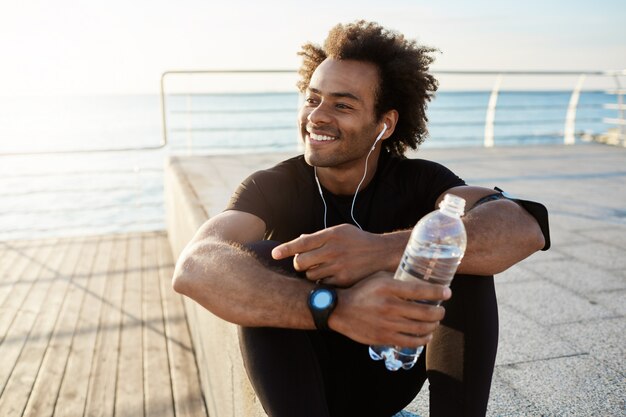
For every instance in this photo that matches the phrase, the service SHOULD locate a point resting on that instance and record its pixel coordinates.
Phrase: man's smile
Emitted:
(321, 138)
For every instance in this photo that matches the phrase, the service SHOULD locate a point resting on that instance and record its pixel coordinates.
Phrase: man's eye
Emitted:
(311, 100)
(342, 106)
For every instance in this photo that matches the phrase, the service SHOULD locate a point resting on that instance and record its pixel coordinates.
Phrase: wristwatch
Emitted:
(322, 302)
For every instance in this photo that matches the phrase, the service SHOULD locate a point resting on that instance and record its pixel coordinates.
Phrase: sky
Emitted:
(123, 47)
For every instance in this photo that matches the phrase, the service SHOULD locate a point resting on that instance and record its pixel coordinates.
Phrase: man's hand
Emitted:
(341, 255)
(379, 311)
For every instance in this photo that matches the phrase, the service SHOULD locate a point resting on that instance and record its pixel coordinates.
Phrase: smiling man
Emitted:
(342, 212)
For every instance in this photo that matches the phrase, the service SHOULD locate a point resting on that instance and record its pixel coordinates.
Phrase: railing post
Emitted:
(163, 110)
(488, 141)
(620, 105)
(570, 119)
(189, 126)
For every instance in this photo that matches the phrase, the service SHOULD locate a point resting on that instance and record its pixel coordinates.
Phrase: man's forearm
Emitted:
(242, 291)
(499, 234)
(394, 245)
(232, 284)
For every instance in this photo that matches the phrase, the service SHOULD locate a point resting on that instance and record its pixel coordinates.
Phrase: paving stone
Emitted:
(616, 235)
(572, 386)
(611, 300)
(562, 237)
(575, 221)
(420, 405)
(579, 276)
(516, 273)
(599, 254)
(505, 401)
(604, 340)
(522, 339)
(548, 303)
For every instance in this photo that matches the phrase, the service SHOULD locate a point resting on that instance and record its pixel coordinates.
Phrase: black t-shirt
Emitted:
(287, 199)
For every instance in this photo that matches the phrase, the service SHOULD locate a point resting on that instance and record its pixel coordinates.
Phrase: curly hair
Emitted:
(405, 84)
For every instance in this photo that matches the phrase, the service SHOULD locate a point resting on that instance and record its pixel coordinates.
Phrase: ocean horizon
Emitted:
(102, 192)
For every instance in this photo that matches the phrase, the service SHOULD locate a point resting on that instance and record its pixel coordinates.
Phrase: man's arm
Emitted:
(344, 254)
(219, 274)
(500, 233)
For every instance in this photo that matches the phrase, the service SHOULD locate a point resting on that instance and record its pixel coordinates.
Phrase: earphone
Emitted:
(358, 187)
(380, 135)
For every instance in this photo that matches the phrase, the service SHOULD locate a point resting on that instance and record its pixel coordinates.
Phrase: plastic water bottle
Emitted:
(434, 251)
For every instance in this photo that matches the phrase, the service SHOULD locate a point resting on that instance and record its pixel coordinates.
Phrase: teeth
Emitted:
(321, 137)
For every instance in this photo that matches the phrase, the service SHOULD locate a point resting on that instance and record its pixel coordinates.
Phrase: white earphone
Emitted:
(380, 135)
(319, 187)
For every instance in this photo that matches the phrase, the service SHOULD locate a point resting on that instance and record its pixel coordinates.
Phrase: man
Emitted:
(344, 212)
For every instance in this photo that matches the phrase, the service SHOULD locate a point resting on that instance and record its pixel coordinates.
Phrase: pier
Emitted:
(90, 325)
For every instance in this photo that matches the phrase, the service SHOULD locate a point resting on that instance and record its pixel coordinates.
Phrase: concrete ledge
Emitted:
(224, 382)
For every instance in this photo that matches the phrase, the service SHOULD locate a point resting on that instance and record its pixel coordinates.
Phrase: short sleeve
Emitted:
(269, 194)
(249, 197)
(436, 179)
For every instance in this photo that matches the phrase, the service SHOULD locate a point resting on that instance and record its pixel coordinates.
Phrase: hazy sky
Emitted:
(115, 46)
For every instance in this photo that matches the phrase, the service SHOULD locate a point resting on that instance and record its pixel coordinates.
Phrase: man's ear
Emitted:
(390, 119)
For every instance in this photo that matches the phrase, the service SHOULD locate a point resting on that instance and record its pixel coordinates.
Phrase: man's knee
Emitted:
(262, 249)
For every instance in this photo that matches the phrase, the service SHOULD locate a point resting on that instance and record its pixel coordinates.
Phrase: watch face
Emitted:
(321, 299)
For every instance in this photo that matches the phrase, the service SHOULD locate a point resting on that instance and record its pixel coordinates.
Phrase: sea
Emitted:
(105, 174)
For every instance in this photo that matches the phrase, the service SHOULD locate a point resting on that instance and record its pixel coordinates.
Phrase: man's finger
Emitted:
(421, 290)
(320, 272)
(291, 248)
(301, 244)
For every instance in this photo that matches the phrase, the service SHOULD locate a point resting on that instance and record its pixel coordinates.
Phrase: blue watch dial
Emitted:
(322, 299)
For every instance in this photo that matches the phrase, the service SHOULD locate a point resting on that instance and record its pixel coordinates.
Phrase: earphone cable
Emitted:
(358, 187)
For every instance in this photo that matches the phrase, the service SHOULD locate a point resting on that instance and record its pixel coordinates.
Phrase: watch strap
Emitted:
(321, 316)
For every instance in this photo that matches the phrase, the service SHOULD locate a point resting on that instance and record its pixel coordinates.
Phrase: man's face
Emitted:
(337, 122)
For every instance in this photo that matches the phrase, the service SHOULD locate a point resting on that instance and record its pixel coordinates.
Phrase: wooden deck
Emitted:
(90, 326)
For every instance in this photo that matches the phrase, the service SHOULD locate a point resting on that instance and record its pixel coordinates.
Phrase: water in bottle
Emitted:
(434, 251)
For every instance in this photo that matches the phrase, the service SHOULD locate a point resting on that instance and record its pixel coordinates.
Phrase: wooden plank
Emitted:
(46, 388)
(20, 384)
(73, 392)
(157, 385)
(188, 397)
(8, 256)
(4, 252)
(129, 396)
(101, 394)
(21, 271)
(27, 310)
(109, 336)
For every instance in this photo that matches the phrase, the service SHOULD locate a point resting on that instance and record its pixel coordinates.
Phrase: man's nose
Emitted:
(319, 115)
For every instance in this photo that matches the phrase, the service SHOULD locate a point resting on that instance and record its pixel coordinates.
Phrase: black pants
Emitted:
(325, 374)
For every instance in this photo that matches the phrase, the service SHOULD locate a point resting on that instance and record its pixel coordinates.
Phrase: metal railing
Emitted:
(73, 192)
(569, 133)
(169, 74)
(60, 195)
(161, 145)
